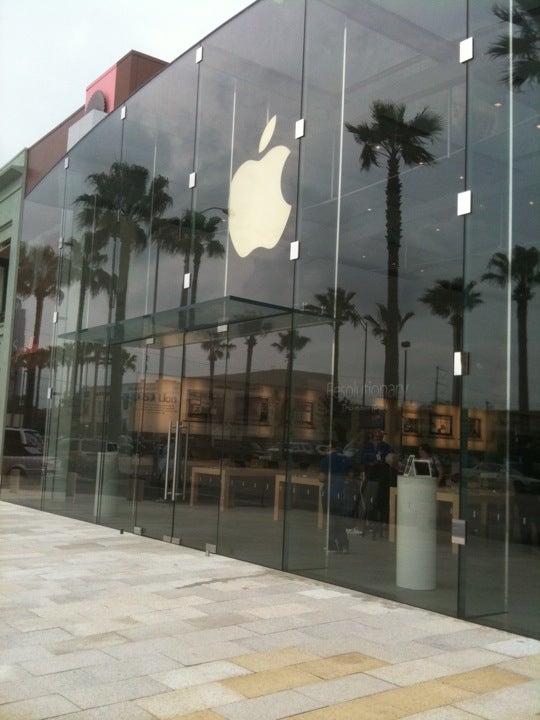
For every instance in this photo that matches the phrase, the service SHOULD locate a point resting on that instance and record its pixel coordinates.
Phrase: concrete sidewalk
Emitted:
(99, 625)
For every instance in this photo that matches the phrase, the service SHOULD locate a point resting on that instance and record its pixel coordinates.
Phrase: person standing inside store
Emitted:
(337, 493)
(376, 490)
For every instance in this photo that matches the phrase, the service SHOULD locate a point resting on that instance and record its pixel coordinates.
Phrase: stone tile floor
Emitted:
(98, 625)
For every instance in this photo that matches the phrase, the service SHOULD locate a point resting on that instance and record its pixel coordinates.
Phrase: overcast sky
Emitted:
(51, 50)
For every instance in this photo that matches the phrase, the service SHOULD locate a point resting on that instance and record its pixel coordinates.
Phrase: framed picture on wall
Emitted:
(440, 425)
(475, 428)
(410, 425)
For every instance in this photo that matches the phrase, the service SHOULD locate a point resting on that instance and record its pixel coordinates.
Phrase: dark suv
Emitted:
(23, 452)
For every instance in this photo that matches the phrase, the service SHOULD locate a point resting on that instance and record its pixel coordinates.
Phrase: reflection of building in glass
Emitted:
(274, 260)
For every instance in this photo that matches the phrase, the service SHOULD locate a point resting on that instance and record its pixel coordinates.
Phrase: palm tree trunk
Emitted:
(335, 379)
(523, 369)
(97, 360)
(393, 242)
(457, 340)
(31, 370)
(184, 295)
(115, 351)
(247, 381)
(195, 281)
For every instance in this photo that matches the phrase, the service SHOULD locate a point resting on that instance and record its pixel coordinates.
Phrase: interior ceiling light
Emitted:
(497, 104)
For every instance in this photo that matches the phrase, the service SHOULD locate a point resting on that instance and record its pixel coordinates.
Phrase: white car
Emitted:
(23, 453)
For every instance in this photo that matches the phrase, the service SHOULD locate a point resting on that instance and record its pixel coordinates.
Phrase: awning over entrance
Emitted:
(235, 315)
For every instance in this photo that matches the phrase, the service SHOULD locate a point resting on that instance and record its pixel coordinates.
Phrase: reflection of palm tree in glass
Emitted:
(126, 207)
(379, 327)
(395, 140)
(290, 344)
(338, 305)
(250, 342)
(98, 357)
(216, 349)
(449, 299)
(524, 47)
(37, 277)
(203, 242)
(523, 271)
(87, 262)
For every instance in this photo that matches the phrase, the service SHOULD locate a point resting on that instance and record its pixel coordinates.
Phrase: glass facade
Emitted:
(262, 257)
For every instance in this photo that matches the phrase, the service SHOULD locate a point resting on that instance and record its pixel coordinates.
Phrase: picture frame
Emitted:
(475, 428)
(410, 425)
(440, 425)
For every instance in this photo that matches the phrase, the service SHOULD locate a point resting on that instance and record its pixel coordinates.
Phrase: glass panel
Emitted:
(246, 158)
(136, 485)
(33, 332)
(201, 481)
(86, 279)
(157, 158)
(379, 179)
(500, 476)
(254, 462)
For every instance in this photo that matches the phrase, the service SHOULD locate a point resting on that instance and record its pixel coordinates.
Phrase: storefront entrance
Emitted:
(193, 434)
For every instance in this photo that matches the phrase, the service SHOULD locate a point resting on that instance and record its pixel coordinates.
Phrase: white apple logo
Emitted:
(258, 212)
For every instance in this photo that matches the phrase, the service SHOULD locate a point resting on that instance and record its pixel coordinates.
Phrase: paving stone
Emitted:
(118, 627)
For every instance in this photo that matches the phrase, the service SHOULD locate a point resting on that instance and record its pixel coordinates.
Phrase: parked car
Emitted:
(23, 452)
(80, 455)
(492, 476)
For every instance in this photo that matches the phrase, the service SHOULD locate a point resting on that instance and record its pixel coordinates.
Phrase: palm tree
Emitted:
(216, 348)
(379, 327)
(392, 139)
(196, 238)
(37, 277)
(250, 342)
(339, 307)
(290, 343)
(449, 299)
(125, 207)
(524, 46)
(203, 232)
(523, 271)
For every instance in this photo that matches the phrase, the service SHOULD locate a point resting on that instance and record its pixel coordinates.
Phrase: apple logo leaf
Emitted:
(267, 134)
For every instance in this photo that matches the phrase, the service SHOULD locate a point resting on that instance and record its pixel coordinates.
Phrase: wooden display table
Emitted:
(297, 479)
(225, 474)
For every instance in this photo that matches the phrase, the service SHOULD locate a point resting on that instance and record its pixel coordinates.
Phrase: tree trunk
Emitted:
(523, 370)
(195, 280)
(335, 379)
(31, 367)
(184, 295)
(393, 242)
(247, 381)
(115, 351)
(457, 339)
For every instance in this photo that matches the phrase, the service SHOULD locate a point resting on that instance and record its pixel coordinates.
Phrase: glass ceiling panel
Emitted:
(237, 315)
